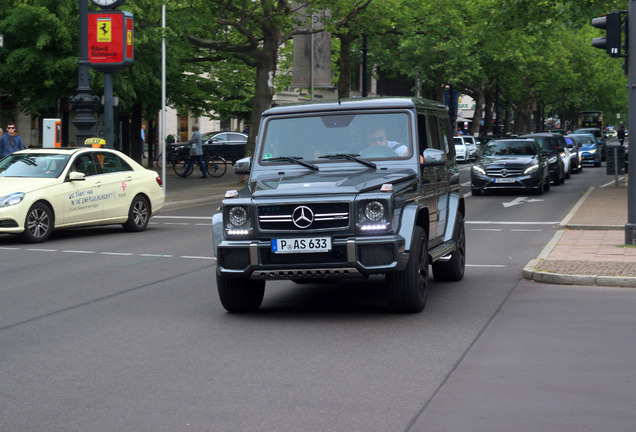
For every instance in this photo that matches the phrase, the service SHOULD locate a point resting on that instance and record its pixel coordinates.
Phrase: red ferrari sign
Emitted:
(110, 40)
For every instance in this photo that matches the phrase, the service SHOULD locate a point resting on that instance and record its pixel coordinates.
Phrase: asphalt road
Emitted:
(102, 330)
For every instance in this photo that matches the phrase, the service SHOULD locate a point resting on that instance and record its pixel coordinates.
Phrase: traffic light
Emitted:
(611, 42)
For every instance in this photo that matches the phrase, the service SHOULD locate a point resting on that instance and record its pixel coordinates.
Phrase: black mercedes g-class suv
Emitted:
(344, 190)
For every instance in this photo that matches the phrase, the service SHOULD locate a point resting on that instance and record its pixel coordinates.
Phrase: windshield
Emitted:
(311, 138)
(507, 148)
(588, 147)
(37, 165)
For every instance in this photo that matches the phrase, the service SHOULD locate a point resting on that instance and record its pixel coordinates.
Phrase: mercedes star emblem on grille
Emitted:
(504, 172)
(302, 217)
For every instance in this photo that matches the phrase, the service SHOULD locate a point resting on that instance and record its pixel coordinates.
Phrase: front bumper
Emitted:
(483, 182)
(356, 257)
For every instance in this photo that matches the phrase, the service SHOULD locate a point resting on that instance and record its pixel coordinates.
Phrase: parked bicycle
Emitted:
(215, 165)
(171, 157)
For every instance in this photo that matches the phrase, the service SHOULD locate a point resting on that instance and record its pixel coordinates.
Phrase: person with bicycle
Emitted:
(196, 152)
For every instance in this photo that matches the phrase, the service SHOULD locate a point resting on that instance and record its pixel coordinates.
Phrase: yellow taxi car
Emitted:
(46, 189)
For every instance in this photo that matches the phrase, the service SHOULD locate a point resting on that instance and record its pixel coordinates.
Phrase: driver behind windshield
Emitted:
(377, 137)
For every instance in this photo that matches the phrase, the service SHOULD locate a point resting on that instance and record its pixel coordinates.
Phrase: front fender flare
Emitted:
(217, 231)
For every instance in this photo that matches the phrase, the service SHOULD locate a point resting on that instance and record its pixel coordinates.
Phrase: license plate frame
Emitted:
(301, 245)
(505, 180)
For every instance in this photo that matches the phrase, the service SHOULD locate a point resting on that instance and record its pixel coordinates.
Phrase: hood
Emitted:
(502, 161)
(327, 183)
(9, 185)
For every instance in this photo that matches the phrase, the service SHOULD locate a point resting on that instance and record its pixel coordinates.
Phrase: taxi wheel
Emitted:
(138, 215)
(38, 225)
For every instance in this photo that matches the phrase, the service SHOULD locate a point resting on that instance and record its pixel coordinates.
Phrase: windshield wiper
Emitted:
(294, 159)
(349, 156)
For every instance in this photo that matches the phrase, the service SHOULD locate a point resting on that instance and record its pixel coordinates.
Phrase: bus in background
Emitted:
(590, 119)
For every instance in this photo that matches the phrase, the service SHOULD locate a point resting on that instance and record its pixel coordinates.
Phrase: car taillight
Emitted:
(159, 182)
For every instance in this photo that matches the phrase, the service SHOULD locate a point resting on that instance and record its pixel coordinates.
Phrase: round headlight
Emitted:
(374, 211)
(238, 216)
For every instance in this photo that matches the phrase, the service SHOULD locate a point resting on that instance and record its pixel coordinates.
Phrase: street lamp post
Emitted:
(84, 101)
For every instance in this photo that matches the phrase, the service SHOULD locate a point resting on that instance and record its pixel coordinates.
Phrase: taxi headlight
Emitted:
(553, 159)
(13, 199)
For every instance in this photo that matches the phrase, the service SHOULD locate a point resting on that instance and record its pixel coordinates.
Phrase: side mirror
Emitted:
(434, 157)
(76, 176)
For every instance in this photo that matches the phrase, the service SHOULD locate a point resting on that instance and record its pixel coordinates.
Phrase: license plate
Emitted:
(505, 180)
(303, 245)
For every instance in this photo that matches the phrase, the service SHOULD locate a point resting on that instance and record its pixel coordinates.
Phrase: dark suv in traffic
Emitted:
(345, 190)
(552, 147)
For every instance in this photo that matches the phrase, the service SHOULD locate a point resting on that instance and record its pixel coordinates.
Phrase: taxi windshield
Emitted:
(34, 165)
(324, 138)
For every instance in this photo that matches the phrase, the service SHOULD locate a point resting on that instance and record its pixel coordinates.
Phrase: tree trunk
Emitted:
(344, 65)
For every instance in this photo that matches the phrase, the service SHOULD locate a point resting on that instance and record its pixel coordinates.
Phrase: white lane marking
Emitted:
(184, 217)
(510, 223)
(578, 204)
(127, 254)
(486, 229)
(520, 200)
(198, 257)
(117, 253)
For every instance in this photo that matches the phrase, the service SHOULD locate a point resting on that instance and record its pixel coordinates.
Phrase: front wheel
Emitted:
(453, 269)
(138, 215)
(240, 295)
(216, 166)
(407, 289)
(38, 225)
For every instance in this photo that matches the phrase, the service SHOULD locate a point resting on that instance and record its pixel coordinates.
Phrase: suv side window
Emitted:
(422, 133)
(444, 134)
(432, 126)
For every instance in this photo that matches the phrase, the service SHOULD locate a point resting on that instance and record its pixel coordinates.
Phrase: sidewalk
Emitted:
(590, 247)
(588, 250)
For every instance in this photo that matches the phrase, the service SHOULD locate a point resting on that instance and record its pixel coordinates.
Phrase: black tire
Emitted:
(453, 269)
(216, 166)
(475, 192)
(407, 289)
(240, 295)
(546, 185)
(38, 224)
(138, 215)
(181, 168)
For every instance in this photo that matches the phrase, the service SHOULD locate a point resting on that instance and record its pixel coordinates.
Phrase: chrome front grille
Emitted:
(303, 217)
(504, 172)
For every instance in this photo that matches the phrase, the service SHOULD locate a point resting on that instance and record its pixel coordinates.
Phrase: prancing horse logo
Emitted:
(302, 217)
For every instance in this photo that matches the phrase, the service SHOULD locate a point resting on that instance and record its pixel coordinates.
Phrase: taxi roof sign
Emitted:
(95, 142)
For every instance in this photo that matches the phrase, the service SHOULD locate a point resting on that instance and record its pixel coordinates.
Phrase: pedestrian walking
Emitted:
(621, 134)
(143, 141)
(11, 141)
(196, 152)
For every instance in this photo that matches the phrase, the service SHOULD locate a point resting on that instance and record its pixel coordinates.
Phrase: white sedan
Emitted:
(46, 189)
